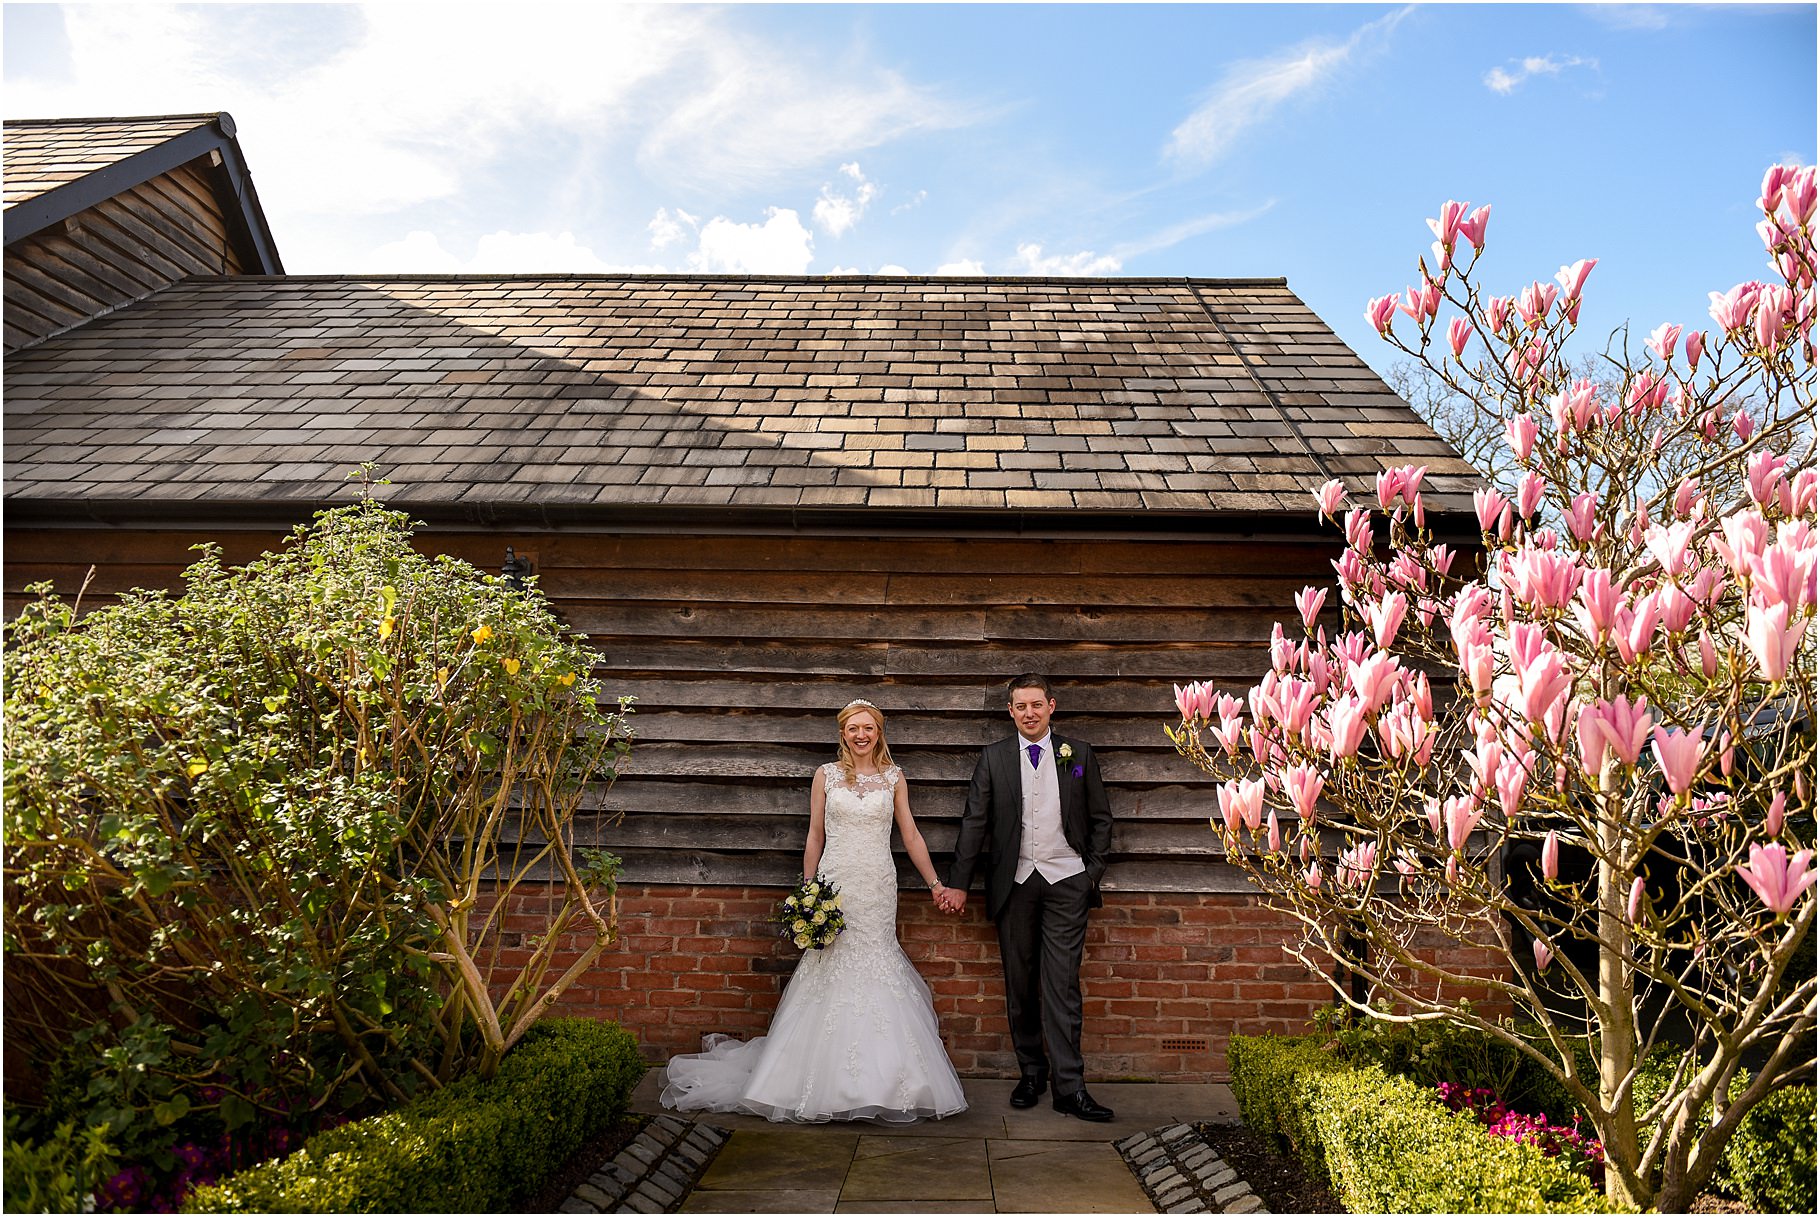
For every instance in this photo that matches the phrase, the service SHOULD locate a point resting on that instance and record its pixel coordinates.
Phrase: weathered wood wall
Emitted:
(117, 251)
(739, 650)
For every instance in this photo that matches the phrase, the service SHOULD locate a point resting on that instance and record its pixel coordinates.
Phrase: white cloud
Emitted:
(781, 245)
(966, 266)
(753, 114)
(1499, 80)
(1174, 234)
(891, 268)
(1086, 262)
(1251, 91)
(666, 227)
(496, 253)
(1628, 16)
(835, 213)
(915, 200)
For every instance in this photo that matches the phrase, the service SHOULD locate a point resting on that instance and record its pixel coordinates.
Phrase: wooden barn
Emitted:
(762, 497)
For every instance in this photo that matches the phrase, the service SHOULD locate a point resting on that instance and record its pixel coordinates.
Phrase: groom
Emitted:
(1037, 806)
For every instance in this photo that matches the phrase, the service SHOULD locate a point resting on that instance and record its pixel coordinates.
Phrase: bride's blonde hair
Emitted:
(881, 753)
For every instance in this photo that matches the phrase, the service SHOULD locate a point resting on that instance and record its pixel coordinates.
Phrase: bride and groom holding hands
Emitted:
(855, 1035)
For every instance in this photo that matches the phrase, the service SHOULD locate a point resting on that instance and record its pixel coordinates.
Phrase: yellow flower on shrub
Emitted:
(511, 665)
(566, 679)
(483, 633)
(385, 627)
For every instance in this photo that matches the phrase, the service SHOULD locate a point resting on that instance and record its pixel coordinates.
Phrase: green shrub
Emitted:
(246, 823)
(1769, 1161)
(57, 1174)
(474, 1146)
(1387, 1145)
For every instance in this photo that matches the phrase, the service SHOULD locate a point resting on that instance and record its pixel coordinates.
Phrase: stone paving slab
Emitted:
(905, 1170)
(1062, 1177)
(780, 1160)
(731, 1200)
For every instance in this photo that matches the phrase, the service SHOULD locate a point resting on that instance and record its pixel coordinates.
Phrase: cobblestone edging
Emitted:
(1182, 1174)
(653, 1172)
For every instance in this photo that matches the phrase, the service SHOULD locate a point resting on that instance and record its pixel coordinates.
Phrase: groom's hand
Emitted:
(955, 900)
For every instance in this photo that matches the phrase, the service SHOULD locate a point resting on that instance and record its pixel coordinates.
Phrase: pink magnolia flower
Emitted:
(1662, 341)
(1533, 303)
(1669, 544)
(1679, 753)
(1497, 312)
(1421, 304)
(1381, 311)
(1773, 819)
(1634, 906)
(1472, 227)
(1543, 682)
(1543, 955)
(1488, 503)
(1551, 855)
(1765, 475)
(1462, 814)
(1743, 425)
(1510, 779)
(1520, 432)
(1530, 488)
(1358, 863)
(1431, 810)
(1329, 497)
(1248, 796)
(1806, 492)
(1731, 312)
(1677, 607)
(1771, 197)
(1230, 735)
(1774, 304)
(1346, 724)
(1459, 330)
(1303, 784)
(1447, 228)
(1313, 877)
(1695, 344)
(1709, 655)
(1771, 639)
(1386, 617)
(1778, 879)
(1619, 726)
(1374, 679)
(1573, 278)
(1582, 516)
(1600, 601)
(1309, 602)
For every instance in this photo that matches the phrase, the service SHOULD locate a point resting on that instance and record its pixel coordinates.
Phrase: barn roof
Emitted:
(572, 396)
(56, 168)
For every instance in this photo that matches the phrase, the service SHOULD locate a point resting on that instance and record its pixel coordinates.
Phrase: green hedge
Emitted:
(1769, 1162)
(1388, 1146)
(473, 1146)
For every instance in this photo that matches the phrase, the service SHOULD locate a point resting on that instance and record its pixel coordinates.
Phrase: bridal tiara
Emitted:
(859, 701)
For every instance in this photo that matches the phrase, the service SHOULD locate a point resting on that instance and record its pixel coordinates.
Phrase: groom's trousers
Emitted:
(1042, 932)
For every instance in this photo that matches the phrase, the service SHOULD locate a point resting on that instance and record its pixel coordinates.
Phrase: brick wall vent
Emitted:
(1179, 1044)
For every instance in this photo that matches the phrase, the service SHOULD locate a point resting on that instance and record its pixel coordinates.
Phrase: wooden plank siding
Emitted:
(120, 250)
(739, 649)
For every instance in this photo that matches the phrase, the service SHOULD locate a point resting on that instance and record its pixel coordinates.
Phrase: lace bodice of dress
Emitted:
(856, 853)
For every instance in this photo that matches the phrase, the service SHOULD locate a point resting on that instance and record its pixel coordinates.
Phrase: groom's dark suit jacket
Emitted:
(994, 818)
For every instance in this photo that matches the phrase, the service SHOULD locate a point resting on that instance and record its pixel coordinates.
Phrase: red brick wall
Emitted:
(693, 960)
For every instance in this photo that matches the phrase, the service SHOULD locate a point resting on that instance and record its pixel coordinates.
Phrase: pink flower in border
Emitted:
(1520, 433)
(1381, 311)
(1732, 311)
(1778, 879)
(1543, 682)
(1497, 313)
(1303, 784)
(1309, 602)
(1543, 955)
(1346, 723)
(1600, 601)
(1462, 814)
(1530, 488)
(1274, 834)
(1619, 726)
(1386, 617)
(1472, 227)
(1573, 278)
(1582, 516)
(1551, 855)
(1695, 344)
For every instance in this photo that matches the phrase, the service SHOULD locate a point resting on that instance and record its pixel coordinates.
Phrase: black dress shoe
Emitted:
(1080, 1105)
(1028, 1091)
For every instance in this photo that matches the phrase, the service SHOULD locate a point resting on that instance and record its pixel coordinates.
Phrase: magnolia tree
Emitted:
(1592, 752)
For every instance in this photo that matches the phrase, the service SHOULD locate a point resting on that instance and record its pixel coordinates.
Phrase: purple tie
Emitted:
(1036, 755)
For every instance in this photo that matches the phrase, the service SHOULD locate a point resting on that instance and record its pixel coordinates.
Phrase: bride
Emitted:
(855, 1036)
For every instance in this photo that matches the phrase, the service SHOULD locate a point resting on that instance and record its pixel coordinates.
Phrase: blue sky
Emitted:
(1306, 141)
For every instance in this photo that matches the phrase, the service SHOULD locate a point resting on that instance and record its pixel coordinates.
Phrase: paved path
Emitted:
(990, 1158)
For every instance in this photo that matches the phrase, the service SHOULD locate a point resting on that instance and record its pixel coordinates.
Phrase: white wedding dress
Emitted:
(855, 1036)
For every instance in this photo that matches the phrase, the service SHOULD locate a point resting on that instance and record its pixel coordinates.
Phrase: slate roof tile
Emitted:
(1171, 395)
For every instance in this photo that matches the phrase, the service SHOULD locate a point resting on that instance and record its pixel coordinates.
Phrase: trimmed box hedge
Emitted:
(473, 1146)
(1388, 1146)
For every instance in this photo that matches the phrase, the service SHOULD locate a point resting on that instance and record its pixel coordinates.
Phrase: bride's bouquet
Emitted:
(810, 915)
